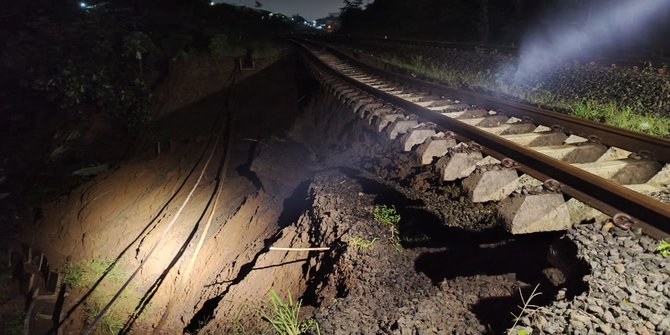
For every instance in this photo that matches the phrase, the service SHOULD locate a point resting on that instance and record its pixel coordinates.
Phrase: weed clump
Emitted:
(284, 317)
(362, 244)
(663, 248)
(388, 216)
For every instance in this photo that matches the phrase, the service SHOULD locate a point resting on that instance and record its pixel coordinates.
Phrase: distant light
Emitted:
(82, 5)
(271, 14)
(211, 3)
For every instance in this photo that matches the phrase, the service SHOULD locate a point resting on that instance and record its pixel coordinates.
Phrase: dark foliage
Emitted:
(106, 57)
(485, 21)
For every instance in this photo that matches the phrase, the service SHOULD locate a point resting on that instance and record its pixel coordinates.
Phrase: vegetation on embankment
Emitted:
(78, 80)
(107, 57)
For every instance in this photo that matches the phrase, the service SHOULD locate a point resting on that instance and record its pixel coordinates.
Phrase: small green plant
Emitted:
(388, 216)
(361, 244)
(663, 248)
(526, 309)
(285, 318)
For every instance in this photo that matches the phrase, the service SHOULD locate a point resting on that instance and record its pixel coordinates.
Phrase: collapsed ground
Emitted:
(305, 172)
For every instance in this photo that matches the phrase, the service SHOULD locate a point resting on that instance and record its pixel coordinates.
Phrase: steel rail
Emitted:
(656, 148)
(610, 198)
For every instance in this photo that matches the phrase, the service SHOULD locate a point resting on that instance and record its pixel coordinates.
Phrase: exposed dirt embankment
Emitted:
(117, 217)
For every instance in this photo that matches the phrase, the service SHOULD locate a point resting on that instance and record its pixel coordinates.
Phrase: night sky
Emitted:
(309, 9)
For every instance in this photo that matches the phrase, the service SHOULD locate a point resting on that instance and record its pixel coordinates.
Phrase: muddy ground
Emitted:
(302, 171)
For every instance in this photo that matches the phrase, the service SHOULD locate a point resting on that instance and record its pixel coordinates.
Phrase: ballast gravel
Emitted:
(629, 287)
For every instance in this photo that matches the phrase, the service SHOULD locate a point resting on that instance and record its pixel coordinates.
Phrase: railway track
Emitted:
(548, 170)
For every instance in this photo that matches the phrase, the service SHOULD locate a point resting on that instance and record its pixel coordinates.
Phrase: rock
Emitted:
(578, 325)
(635, 298)
(578, 316)
(642, 330)
(627, 326)
(608, 317)
(596, 309)
(554, 275)
(619, 268)
(605, 328)
(656, 319)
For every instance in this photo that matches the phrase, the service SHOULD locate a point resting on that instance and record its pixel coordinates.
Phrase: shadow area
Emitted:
(520, 259)
(445, 253)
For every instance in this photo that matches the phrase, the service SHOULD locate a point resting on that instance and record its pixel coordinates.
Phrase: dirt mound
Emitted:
(431, 280)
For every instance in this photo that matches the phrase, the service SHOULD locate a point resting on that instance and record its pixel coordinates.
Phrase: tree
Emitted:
(136, 45)
(351, 15)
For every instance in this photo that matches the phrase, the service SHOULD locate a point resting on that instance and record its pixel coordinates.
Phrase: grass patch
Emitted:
(362, 244)
(87, 273)
(284, 317)
(619, 116)
(84, 275)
